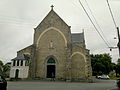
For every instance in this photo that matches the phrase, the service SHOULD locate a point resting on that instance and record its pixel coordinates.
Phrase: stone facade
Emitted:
(56, 52)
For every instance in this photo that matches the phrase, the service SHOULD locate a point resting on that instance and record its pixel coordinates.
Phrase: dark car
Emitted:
(118, 83)
(3, 83)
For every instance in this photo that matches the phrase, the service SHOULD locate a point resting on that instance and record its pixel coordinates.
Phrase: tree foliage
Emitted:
(4, 68)
(101, 64)
(118, 68)
(1, 63)
(118, 62)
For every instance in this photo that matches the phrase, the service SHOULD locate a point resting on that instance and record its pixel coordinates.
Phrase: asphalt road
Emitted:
(48, 85)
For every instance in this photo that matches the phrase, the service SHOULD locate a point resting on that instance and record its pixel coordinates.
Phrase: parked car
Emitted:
(3, 83)
(118, 83)
(103, 77)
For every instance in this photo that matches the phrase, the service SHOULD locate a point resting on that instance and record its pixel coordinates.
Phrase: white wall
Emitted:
(23, 71)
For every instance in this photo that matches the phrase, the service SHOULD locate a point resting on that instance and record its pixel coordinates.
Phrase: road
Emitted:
(48, 85)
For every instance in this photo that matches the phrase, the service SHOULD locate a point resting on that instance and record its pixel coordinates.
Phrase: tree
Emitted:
(118, 62)
(1, 63)
(101, 64)
(118, 68)
(3, 68)
(6, 68)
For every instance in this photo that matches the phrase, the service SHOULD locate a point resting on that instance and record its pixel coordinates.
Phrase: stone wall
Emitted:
(51, 31)
(81, 64)
(44, 50)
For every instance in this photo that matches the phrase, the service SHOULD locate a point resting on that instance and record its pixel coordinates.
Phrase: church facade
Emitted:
(56, 52)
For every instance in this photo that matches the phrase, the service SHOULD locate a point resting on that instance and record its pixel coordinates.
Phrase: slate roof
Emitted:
(21, 57)
(78, 37)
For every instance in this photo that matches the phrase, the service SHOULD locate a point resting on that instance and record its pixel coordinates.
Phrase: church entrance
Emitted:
(50, 71)
(16, 73)
(51, 68)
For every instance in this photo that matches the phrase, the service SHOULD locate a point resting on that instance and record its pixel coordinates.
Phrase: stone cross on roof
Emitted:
(52, 7)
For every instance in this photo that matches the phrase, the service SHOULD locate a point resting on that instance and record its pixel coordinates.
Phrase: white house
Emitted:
(20, 67)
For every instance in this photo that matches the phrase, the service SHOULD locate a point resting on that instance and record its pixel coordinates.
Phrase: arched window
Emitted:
(51, 61)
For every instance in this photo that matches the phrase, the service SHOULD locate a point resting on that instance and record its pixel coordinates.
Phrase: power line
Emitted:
(117, 28)
(111, 14)
(16, 18)
(16, 24)
(96, 21)
(93, 24)
(11, 21)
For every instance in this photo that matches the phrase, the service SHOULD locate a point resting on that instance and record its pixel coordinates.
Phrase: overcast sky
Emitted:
(19, 17)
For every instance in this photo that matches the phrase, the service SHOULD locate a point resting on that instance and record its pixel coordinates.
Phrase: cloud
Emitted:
(19, 17)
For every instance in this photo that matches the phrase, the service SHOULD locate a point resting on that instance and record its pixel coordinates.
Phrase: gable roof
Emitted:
(78, 37)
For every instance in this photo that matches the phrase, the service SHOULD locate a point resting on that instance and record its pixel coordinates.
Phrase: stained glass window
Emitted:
(51, 60)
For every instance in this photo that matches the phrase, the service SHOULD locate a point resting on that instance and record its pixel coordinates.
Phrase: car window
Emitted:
(1, 79)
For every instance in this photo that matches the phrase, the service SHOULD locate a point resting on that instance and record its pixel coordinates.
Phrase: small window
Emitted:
(21, 62)
(1, 79)
(14, 62)
(18, 63)
(26, 63)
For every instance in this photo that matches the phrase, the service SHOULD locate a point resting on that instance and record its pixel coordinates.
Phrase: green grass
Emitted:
(115, 78)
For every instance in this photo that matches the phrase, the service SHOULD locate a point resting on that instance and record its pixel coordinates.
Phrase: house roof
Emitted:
(30, 46)
(78, 37)
(21, 57)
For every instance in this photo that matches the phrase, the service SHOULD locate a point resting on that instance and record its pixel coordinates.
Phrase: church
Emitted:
(55, 53)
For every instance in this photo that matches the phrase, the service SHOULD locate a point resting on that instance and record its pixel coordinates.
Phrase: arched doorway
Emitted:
(16, 73)
(51, 68)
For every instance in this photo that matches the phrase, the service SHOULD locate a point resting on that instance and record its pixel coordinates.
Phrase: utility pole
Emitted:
(118, 44)
(118, 40)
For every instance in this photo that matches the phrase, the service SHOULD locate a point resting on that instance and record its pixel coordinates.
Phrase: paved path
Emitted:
(47, 85)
